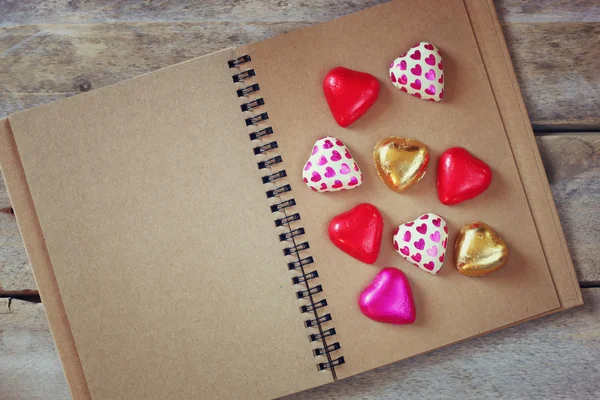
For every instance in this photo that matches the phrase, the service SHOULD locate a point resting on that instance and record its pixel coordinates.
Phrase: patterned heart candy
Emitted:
(420, 72)
(423, 242)
(330, 167)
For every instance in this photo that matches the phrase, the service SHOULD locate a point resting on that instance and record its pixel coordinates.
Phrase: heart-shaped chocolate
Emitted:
(349, 94)
(358, 232)
(479, 250)
(461, 176)
(389, 298)
(331, 167)
(400, 162)
(420, 72)
(423, 242)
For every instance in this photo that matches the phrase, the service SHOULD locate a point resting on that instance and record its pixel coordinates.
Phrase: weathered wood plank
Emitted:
(559, 80)
(97, 11)
(74, 46)
(15, 270)
(548, 10)
(572, 162)
(553, 357)
(29, 365)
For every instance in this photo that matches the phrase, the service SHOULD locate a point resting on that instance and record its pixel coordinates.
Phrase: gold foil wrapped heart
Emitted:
(400, 162)
(478, 250)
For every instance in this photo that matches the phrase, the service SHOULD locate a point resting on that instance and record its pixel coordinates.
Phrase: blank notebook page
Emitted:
(164, 248)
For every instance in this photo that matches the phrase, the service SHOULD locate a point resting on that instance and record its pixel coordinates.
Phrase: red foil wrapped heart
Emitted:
(349, 94)
(461, 176)
(358, 232)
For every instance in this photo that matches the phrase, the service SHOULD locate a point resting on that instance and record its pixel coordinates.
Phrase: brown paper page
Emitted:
(149, 196)
(450, 307)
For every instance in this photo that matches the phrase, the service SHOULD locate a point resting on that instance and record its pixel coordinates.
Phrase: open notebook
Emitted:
(154, 245)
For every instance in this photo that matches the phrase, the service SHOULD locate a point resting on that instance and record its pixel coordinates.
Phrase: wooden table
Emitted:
(52, 50)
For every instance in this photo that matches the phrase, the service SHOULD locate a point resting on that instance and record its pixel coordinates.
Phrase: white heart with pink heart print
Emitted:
(423, 242)
(420, 72)
(330, 167)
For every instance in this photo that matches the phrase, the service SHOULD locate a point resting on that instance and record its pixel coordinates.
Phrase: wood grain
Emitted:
(553, 357)
(560, 83)
(34, 12)
(572, 162)
(54, 50)
(548, 10)
(29, 364)
(15, 270)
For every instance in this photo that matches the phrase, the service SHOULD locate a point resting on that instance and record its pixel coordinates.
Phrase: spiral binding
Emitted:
(290, 236)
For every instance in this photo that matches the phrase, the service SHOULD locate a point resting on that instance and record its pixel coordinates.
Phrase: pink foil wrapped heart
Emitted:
(389, 298)
(331, 167)
(420, 72)
(423, 242)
